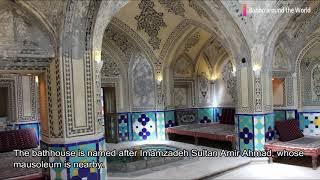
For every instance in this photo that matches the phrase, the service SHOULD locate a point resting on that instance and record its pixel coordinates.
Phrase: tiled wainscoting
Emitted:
(254, 130)
(150, 125)
(310, 123)
(73, 172)
(285, 114)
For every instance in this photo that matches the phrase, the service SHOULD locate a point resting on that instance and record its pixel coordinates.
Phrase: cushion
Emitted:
(288, 130)
(18, 139)
(227, 116)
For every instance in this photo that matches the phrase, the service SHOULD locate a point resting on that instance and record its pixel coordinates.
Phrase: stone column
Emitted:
(254, 116)
(69, 97)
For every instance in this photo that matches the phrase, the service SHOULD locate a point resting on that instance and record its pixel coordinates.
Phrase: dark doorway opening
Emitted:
(4, 101)
(109, 112)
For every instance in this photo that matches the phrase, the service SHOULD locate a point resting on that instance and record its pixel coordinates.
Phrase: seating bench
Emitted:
(309, 145)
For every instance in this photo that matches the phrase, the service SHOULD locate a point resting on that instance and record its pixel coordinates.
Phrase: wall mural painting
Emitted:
(143, 83)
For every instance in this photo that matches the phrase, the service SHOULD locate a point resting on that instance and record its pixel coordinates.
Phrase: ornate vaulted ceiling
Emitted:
(166, 31)
(156, 22)
(298, 32)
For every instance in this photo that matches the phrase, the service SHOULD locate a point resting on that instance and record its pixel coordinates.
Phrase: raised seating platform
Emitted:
(310, 146)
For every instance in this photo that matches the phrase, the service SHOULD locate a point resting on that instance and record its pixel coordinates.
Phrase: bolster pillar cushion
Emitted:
(227, 116)
(288, 130)
(18, 139)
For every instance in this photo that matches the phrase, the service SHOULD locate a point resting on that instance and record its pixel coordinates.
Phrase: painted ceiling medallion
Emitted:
(193, 4)
(151, 21)
(173, 6)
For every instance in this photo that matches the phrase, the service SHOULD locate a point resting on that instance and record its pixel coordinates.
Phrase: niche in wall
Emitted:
(278, 88)
(142, 84)
(183, 94)
(4, 102)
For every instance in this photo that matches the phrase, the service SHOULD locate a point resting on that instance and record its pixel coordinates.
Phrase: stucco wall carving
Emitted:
(125, 47)
(203, 89)
(183, 67)
(26, 93)
(23, 40)
(53, 15)
(290, 91)
(280, 61)
(109, 68)
(120, 39)
(310, 79)
(192, 41)
(305, 23)
(27, 36)
(201, 12)
(176, 7)
(229, 79)
(315, 76)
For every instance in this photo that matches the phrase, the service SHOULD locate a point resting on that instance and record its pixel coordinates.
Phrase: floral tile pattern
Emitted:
(245, 132)
(310, 123)
(144, 126)
(123, 127)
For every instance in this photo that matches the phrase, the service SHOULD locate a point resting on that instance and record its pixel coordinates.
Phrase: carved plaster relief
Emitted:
(315, 78)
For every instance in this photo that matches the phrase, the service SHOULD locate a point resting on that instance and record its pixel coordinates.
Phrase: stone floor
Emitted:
(6, 166)
(270, 171)
(222, 168)
(208, 168)
(195, 168)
